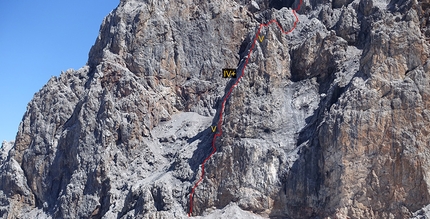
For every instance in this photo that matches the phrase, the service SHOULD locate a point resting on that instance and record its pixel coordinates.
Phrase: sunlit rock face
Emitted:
(327, 121)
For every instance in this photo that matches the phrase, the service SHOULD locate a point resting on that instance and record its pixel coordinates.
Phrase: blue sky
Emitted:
(39, 39)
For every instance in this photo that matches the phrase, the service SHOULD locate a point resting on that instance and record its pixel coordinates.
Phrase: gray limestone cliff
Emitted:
(328, 121)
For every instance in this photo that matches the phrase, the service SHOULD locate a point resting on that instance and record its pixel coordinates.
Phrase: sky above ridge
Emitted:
(38, 40)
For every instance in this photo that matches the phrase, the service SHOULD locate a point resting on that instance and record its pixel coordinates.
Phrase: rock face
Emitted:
(4, 150)
(328, 121)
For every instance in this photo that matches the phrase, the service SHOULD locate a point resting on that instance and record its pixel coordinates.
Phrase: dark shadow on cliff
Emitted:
(204, 148)
(302, 183)
(63, 165)
(279, 4)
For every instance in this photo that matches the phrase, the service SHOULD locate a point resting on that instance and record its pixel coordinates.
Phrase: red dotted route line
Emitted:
(219, 125)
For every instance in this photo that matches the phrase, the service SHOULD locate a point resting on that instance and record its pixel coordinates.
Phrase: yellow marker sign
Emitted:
(213, 128)
(261, 38)
(229, 73)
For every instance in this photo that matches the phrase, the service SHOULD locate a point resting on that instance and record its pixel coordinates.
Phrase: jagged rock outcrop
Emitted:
(328, 121)
(4, 150)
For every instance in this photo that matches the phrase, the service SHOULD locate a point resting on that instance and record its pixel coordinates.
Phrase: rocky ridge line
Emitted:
(329, 122)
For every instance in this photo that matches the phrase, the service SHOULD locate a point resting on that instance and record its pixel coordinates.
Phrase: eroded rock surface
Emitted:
(329, 121)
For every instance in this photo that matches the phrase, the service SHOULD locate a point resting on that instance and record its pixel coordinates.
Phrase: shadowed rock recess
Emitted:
(329, 121)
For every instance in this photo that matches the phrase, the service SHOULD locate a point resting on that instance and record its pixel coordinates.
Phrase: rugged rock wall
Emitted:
(328, 121)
